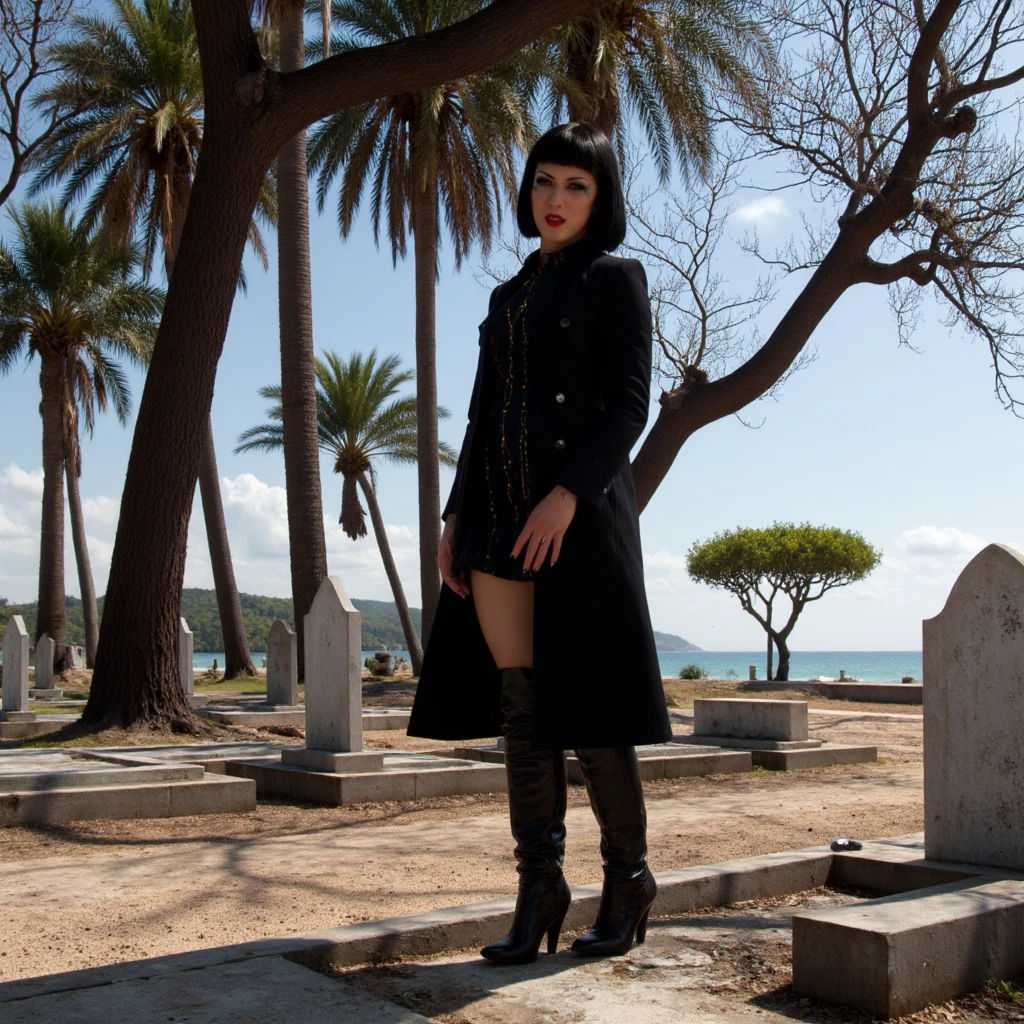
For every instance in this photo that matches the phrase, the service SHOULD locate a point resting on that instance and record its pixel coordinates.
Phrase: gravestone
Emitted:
(334, 689)
(44, 663)
(76, 656)
(185, 673)
(282, 665)
(974, 716)
(386, 661)
(15, 679)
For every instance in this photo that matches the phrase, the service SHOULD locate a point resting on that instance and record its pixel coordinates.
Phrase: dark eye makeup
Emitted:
(578, 185)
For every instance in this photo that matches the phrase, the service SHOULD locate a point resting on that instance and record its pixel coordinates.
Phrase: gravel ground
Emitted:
(90, 893)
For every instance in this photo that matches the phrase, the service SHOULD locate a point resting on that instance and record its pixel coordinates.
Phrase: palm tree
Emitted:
(358, 421)
(135, 145)
(307, 546)
(658, 59)
(90, 381)
(453, 144)
(74, 299)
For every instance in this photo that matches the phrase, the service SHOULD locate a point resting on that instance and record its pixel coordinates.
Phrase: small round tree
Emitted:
(803, 562)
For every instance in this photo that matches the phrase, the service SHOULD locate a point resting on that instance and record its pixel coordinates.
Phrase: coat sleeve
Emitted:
(624, 344)
(463, 464)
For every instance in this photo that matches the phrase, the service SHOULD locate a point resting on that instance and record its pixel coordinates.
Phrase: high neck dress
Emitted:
(499, 500)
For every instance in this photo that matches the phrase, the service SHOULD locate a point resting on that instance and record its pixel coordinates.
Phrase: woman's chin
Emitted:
(555, 238)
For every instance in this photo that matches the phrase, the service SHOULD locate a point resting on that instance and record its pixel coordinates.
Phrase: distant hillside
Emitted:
(379, 619)
(671, 642)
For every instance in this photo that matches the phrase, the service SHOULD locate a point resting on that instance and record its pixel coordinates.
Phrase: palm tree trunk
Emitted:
(428, 459)
(307, 545)
(237, 659)
(85, 580)
(51, 614)
(412, 641)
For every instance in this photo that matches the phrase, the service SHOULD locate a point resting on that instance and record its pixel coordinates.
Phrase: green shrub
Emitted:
(373, 665)
(693, 671)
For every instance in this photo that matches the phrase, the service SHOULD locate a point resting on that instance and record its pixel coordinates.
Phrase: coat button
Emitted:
(559, 443)
(559, 397)
(564, 322)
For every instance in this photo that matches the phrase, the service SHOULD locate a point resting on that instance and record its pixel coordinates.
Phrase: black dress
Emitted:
(498, 499)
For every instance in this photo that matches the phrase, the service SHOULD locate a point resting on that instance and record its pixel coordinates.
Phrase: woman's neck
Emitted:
(546, 250)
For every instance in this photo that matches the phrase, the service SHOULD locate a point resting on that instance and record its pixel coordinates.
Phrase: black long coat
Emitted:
(597, 682)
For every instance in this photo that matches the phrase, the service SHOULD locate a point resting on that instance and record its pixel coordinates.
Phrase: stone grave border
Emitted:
(889, 865)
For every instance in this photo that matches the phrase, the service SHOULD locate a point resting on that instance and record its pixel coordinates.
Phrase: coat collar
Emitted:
(576, 254)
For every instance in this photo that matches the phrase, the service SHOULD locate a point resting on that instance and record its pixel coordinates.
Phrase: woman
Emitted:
(542, 630)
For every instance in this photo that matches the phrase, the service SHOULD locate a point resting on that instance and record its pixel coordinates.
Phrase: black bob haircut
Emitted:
(579, 144)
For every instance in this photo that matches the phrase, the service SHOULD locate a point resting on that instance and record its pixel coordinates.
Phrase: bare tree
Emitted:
(702, 329)
(903, 122)
(27, 27)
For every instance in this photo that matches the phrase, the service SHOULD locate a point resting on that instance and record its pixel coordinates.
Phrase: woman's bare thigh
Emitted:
(505, 611)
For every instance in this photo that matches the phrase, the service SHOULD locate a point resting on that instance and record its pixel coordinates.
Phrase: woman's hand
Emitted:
(444, 560)
(545, 528)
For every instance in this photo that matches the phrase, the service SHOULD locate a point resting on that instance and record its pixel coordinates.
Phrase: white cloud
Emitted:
(760, 210)
(101, 511)
(27, 483)
(11, 529)
(939, 541)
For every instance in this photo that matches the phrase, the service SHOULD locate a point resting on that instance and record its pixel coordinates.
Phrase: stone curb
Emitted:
(458, 927)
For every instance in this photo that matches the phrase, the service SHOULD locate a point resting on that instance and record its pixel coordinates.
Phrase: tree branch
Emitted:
(408, 65)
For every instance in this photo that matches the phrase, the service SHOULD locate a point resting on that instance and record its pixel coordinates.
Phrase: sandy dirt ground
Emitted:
(91, 893)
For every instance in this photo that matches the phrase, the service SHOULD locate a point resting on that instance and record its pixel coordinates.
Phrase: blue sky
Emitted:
(911, 448)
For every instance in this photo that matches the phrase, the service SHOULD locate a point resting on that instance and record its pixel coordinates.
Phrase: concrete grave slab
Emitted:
(258, 715)
(334, 689)
(750, 719)
(282, 664)
(873, 693)
(55, 785)
(185, 670)
(902, 952)
(15, 675)
(661, 761)
(258, 990)
(974, 715)
(403, 776)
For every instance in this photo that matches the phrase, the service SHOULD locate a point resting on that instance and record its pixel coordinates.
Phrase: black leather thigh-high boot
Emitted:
(612, 777)
(536, 805)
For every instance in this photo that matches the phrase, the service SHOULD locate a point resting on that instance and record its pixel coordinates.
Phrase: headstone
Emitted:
(974, 716)
(753, 673)
(264, 663)
(386, 661)
(185, 673)
(282, 663)
(334, 689)
(842, 675)
(214, 664)
(44, 663)
(76, 656)
(15, 679)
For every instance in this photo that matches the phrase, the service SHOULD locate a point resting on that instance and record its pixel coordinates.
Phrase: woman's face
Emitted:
(562, 198)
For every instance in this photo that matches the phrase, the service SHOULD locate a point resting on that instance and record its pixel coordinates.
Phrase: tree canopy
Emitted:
(803, 562)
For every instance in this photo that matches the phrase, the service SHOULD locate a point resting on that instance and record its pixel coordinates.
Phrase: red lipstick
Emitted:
(554, 219)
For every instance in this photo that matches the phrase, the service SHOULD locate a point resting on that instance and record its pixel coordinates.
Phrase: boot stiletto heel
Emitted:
(554, 931)
(641, 928)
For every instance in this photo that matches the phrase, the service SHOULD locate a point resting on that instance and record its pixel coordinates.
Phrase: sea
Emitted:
(867, 666)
